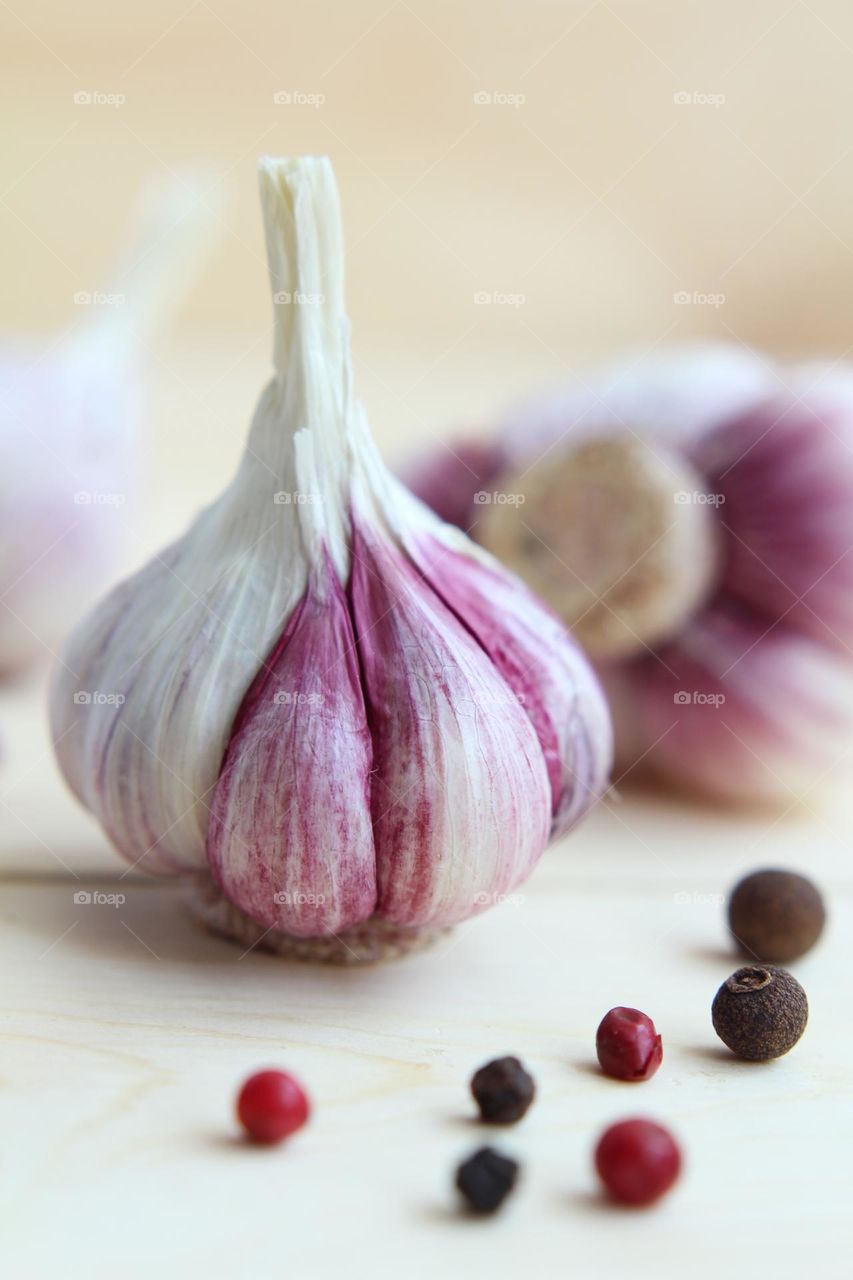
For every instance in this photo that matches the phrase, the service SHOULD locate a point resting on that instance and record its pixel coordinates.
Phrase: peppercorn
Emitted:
(627, 1045)
(271, 1106)
(776, 915)
(760, 1012)
(485, 1179)
(503, 1090)
(637, 1160)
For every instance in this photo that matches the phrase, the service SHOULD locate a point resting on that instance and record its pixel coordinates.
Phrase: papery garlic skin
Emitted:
(69, 417)
(528, 648)
(315, 697)
(722, 630)
(290, 824)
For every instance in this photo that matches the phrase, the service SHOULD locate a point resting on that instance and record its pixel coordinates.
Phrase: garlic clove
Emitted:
(458, 765)
(290, 839)
(551, 680)
(547, 673)
(735, 708)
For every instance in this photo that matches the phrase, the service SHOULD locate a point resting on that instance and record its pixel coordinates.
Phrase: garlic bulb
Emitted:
(691, 519)
(345, 722)
(68, 419)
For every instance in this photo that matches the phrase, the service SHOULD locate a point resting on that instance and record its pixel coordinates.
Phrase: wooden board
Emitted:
(127, 1032)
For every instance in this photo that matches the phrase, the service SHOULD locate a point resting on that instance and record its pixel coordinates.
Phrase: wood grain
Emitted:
(127, 1032)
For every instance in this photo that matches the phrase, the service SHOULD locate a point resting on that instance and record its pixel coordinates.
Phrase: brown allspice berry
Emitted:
(503, 1090)
(776, 915)
(760, 1012)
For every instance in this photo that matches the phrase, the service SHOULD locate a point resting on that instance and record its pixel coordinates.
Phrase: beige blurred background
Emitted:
(592, 159)
(592, 191)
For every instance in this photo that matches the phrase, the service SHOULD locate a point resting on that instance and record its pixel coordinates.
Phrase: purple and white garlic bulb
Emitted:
(347, 725)
(691, 519)
(68, 425)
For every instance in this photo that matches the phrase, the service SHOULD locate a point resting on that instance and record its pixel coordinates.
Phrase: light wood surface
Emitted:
(126, 1031)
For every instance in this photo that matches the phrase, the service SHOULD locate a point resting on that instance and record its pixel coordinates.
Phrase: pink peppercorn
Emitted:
(271, 1106)
(627, 1045)
(638, 1161)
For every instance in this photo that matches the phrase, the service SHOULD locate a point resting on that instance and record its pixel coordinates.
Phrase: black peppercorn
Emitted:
(485, 1179)
(776, 915)
(760, 1012)
(503, 1091)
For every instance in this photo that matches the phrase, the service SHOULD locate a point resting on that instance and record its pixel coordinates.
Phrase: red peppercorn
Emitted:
(271, 1106)
(627, 1045)
(637, 1160)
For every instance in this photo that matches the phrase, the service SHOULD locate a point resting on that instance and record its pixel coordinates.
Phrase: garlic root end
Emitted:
(617, 537)
(369, 943)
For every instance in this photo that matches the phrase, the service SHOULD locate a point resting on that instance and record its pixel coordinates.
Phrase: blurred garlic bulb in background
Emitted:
(345, 723)
(69, 411)
(691, 519)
